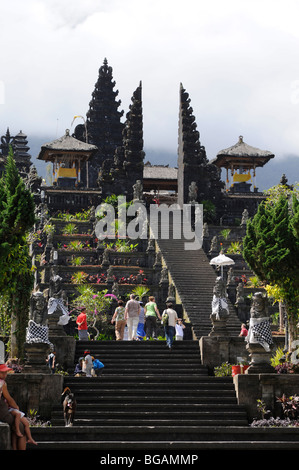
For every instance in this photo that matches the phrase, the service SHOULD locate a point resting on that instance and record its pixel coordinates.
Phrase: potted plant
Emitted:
(240, 368)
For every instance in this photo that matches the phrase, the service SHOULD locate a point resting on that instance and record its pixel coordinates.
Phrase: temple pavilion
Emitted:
(69, 157)
(240, 162)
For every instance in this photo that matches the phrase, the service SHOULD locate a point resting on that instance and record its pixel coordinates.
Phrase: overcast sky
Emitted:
(238, 60)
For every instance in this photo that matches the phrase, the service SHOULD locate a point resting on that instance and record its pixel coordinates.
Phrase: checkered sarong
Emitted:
(36, 333)
(260, 332)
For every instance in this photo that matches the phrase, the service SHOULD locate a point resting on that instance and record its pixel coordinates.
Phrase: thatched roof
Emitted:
(242, 152)
(66, 145)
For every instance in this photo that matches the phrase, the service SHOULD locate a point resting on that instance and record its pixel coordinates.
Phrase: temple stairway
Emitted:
(146, 396)
(150, 398)
(194, 279)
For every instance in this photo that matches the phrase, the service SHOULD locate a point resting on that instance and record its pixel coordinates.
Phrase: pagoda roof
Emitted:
(66, 145)
(242, 153)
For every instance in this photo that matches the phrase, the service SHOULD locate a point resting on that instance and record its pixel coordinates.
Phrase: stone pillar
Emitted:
(36, 355)
(219, 327)
(64, 345)
(259, 359)
(214, 350)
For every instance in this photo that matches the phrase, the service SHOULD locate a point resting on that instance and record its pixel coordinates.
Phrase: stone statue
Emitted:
(164, 276)
(55, 288)
(193, 189)
(259, 326)
(205, 230)
(171, 291)
(38, 308)
(259, 339)
(115, 289)
(214, 244)
(284, 181)
(240, 294)
(110, 275)
(245, 217)
(105, 259)
(259, 306)
(138, 191)
(230, 277)
(33, 180)
(158, 260)
(37, 329)
(58, 301)
(150, 245)
(219, 302)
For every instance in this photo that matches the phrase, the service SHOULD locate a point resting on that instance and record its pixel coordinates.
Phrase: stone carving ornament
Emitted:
(219, 301)
(38, 308)
(57, 301)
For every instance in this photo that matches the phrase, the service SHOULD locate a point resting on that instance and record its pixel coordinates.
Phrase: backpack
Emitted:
(165, 318)
(97, 364)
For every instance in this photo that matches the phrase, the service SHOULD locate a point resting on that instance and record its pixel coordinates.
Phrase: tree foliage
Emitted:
(16, 207)
(271, 246)
(16, 276)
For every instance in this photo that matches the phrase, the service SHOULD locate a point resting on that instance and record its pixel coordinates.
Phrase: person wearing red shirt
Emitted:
(244, 331)
(82, 325)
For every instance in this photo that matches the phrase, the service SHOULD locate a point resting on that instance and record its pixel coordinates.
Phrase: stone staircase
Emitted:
(146, 397)
(148, 400)
(194, 279)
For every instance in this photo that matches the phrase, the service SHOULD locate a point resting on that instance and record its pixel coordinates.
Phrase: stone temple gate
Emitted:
(105, 156)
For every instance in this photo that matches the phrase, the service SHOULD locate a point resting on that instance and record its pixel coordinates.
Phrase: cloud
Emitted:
(237, 60)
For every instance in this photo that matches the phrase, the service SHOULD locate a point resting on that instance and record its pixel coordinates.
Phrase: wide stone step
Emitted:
(164, 437)
(115, 380)
(98, 402)
(125, 445)
(148, 370)
(133, 345)
(129, 414)
(144, 347)
(153, 385)
(170, 359)
(95, 393)
(213, 412)
(177, 405)
(204, 420)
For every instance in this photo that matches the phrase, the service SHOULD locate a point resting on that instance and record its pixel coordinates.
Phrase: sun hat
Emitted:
(4, 368)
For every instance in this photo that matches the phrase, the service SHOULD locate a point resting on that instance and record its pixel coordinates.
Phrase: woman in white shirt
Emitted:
(169, 328)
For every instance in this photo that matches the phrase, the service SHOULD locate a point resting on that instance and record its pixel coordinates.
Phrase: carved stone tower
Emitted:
(128, 163)
(103, 125)
(193, 165)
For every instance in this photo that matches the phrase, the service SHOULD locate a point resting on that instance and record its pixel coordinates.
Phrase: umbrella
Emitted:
(222, 260)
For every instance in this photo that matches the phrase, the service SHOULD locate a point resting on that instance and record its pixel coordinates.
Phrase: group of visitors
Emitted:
(88, 366)
(141, 320)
